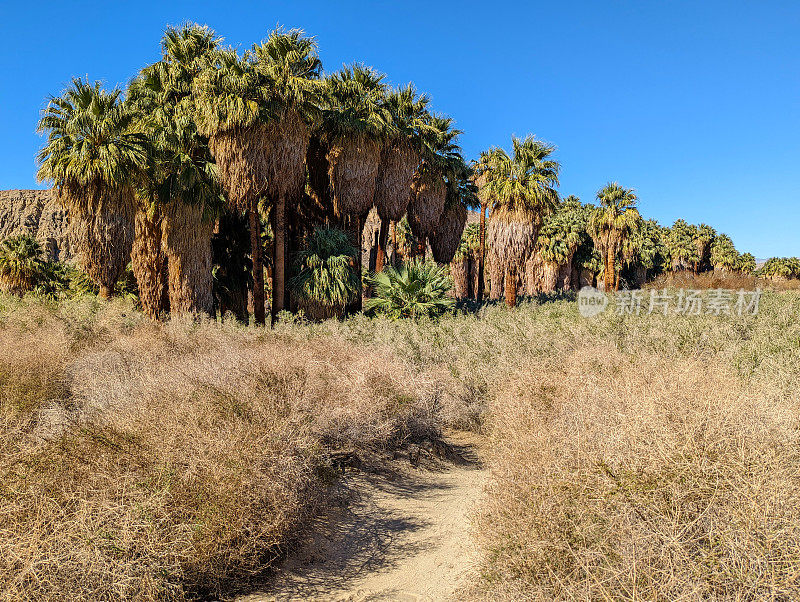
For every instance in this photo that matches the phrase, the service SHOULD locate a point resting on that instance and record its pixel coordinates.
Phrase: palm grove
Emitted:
(215, 166)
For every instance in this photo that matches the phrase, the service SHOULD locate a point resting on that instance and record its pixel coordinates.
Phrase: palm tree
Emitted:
(724, 256)
(326, 280)
(20, 264)
(703, 239)
(93, 147)
(611, 224)
(291, 63)
(461, 193)
(462, 268)
(683, 245)
(522, 187)
(415, 290)
(559, 237)
(400, 158)
(256, 111)
(355, 122)
(641, 250)
(428, 195)
(480, 178)
(746, 264)
(178, 195)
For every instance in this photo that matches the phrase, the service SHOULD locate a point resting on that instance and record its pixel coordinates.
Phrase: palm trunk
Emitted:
(608, 277)
(258, 266)
(394, 244)
(279, 257)
(481, 254)
(147, 260)
(383, 235)
(511, 288)
(188, 249)
(104, 293)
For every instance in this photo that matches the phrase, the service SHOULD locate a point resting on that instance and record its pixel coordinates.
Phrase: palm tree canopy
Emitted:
(615, 218)
(354, 104)
(563, 231)
(416, 290)
(522, 185)
(92, 139)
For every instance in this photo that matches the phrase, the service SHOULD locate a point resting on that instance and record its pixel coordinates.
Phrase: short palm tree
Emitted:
(93, 148)
(20, 264)
(415, 290)
(611, 224)
(522, 187)
(326, 280)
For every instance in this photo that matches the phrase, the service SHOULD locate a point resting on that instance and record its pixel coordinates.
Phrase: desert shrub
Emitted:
(414, 290)
(175, 459)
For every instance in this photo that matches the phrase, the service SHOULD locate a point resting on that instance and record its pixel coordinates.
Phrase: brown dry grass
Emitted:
(143, 461)
(647, 458)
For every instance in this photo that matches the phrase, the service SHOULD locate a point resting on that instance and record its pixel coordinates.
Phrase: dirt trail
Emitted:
(401, 536)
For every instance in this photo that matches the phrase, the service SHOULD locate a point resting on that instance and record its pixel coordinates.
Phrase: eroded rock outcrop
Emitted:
(36, 212)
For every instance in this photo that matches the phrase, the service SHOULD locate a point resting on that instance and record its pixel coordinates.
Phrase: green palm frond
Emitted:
(325, 269)
(415, 290)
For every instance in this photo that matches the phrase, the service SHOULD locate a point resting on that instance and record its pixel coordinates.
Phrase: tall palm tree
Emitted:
(683, 246)
(558, 240)
(291, 63)
(428, 195)
(400, 158)
(179, 196)
(255, 110)
(611, 224)
(522, 187)
(724, 256)
(355, 122)
(93, 146)
(480, 178)
(704, 237)
(461, 193)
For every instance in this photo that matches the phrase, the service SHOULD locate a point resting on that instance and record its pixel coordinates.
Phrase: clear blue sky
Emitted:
(694, 104)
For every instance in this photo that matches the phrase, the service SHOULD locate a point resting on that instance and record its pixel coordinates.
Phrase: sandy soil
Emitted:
(399, 535)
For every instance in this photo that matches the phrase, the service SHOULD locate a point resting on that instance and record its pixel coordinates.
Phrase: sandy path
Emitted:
(396, 536)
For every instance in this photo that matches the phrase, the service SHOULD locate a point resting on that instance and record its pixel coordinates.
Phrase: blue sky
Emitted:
(694, 104)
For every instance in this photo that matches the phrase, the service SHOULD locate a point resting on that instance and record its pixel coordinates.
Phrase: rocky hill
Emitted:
(35, 212)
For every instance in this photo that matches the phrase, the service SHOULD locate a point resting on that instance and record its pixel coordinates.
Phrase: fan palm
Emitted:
(400, 158)
(611, 224)
(724, 255)
(704, 237)
(559, 237)
(463, 268)
(479, 167)
(641, 249)
(429, 190)
(415, 290)
(326, 280)
(93, 146)
(683, 245)
(255, 110)
(179, 195)
(522, 187)
(20, 264)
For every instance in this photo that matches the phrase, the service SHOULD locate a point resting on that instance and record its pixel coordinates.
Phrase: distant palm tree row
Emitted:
(542, 242)
(163, 173)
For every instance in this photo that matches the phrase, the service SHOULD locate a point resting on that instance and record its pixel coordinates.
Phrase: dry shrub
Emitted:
(188, 455)
(641, 475)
